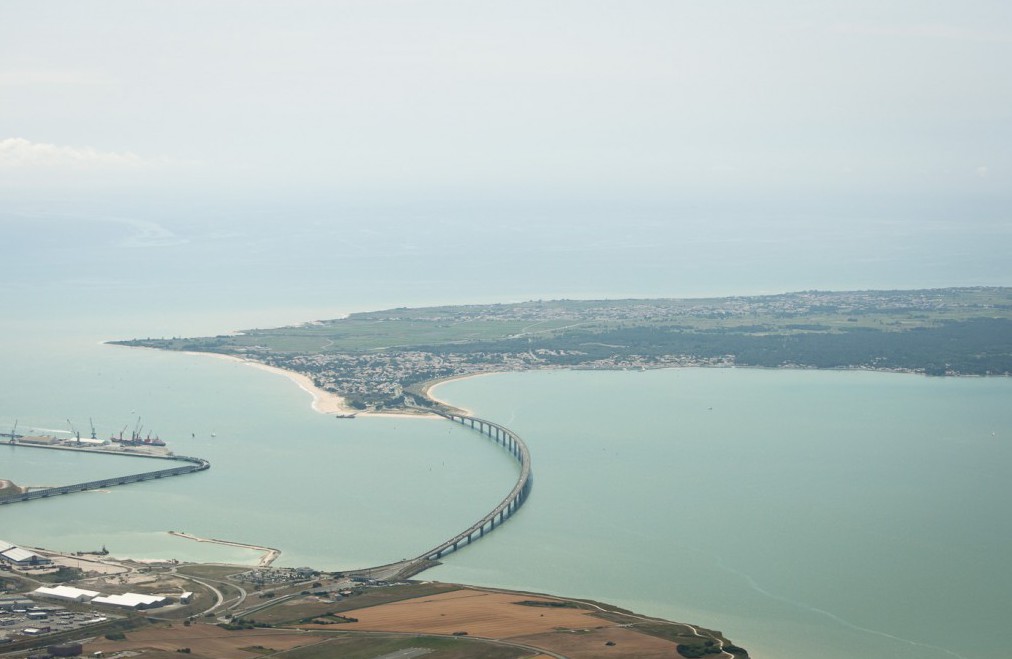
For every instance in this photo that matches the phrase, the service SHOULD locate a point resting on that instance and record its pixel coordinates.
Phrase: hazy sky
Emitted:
(667, 100)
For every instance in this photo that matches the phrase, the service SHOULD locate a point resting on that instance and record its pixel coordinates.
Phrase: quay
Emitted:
(192, 465)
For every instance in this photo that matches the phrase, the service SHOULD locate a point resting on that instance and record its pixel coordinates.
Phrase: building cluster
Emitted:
(380, 378)
(22, 618)
(384, 375)
(274, 575)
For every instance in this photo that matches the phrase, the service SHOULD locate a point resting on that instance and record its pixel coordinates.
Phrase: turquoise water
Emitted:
(331, 493)
(803, 513)
(830, 514)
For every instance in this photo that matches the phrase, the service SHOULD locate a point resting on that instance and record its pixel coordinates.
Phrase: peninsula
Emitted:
(385, 361)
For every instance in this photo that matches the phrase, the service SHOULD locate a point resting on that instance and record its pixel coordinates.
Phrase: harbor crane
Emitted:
(92, 423)
(74, 431)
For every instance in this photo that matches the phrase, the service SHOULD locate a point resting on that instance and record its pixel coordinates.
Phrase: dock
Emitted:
(191, 465)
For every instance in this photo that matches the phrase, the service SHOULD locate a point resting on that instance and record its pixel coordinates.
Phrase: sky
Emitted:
(548, 99)
(757, 118)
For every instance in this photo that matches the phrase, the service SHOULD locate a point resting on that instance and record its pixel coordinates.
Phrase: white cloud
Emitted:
(19, 153)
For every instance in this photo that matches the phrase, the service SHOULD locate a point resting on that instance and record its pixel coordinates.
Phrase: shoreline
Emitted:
(428, 389)
(324, 402)
(329, 403)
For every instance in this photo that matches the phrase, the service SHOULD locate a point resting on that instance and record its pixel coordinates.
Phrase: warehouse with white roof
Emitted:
(66, 593)
(132, 600)
(23, 557)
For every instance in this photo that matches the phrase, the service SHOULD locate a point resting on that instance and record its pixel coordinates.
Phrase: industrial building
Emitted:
(23, 557)
(66, 593)
(132, 600)
(127, 600)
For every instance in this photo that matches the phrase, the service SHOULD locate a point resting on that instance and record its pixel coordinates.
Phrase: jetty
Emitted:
(192, 464)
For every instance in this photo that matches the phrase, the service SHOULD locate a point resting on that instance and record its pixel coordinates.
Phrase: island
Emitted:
(385, 361)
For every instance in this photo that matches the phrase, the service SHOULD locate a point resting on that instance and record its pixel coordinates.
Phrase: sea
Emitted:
(803, 513)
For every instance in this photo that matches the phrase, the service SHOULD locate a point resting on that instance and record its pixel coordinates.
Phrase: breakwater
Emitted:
(192, 464)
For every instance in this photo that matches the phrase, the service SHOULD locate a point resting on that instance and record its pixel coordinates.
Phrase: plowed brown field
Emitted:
(492, 615)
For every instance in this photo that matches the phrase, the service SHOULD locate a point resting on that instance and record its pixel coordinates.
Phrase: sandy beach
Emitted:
(430, 389)
(324, 402)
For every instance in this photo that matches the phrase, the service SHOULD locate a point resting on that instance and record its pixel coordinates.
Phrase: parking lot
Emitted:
(24, 618)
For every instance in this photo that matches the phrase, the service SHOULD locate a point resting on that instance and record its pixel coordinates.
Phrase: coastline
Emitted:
(324, 402)
(428, 389)
(327, 402)
(330, 403)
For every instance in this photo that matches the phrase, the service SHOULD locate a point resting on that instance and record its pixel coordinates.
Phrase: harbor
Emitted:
(192, 465)
(137, 446)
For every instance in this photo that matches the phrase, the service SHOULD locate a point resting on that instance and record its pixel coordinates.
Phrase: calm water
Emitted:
(349, 493)
(848, 512)
(805, 514)
(830, 514)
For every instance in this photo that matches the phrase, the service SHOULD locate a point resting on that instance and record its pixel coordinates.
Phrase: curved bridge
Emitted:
(509, 505)
(194, 464)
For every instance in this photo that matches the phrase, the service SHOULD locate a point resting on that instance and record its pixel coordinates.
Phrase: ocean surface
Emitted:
(805, 513)
(830, 514)
(793, 510)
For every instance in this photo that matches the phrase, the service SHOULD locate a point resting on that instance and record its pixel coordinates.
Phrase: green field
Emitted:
(378, 645)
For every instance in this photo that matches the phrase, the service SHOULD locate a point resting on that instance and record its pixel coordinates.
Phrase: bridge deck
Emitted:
(509, 504)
